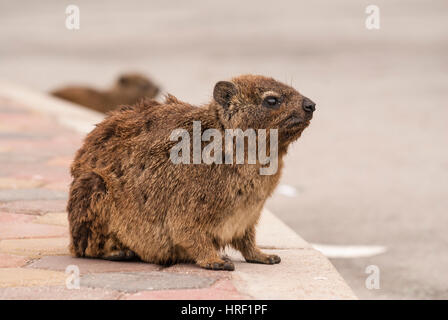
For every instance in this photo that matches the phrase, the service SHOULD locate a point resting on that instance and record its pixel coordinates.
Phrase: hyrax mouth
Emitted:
(293, 121)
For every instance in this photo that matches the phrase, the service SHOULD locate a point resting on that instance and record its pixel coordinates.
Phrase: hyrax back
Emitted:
(129, 89)
(128, 198)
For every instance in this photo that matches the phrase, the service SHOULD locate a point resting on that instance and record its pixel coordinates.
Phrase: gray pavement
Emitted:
(372, 169)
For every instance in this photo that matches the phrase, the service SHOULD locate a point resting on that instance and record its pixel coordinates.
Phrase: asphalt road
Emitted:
(372, 169)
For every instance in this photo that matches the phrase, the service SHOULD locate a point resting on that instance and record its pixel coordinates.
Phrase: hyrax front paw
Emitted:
(265, 259)
(218, 265)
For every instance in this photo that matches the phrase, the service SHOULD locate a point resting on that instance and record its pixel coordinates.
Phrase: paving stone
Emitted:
(35, 248)
(57, 293)
(4, 149)
(11, 261)
(11, 183)
(17, 157)
(57, 146)
(31, 194)
(221, 290)
(19, 226)
(58, 185)
(29, 121)
(6, 128)
(8, 109)
(31, 230)
(22, 135)
(86, 265)
(7, 218)
(69, 138)
(194, 269)
(35, 207)
(145, 281)
(57, 219)
(20, 277)
(61, 162)
(35, 170)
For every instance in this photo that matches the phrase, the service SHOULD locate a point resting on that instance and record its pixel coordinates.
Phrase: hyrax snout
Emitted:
(130, 198)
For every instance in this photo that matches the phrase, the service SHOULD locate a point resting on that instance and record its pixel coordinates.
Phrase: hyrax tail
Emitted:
(86, 214)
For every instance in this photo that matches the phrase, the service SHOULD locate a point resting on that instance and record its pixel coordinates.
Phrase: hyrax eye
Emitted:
(271, 102)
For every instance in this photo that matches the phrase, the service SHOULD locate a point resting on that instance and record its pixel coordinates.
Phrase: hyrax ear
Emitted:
(223, 92)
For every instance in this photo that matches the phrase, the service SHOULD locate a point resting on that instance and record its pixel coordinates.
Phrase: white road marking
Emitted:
(347, 252)
(286, 190)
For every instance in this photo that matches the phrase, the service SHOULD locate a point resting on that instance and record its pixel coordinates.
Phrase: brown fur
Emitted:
(127, 197)
(129, 89)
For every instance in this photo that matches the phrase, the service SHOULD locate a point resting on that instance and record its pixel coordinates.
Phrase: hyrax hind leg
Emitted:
(251, 253)
(88, 217)
(114, 251)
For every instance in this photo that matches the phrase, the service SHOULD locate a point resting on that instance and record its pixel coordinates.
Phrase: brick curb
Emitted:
(33, 254)
(66, 113)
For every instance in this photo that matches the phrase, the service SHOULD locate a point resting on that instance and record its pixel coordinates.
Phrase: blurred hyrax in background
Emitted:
(128, 89)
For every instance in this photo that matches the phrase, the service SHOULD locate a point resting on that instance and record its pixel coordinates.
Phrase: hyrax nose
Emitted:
(308, 105)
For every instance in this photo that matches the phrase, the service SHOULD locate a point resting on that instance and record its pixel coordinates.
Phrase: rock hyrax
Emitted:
(128, 89)
(129, 199)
